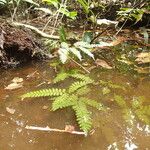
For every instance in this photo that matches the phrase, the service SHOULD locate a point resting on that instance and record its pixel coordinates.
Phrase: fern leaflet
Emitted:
(82, 77)
(92, 103)
(76, 85)
(44, 93)
(63, 101)
(60, 77)
(120, 101)
(83, 90)
(143, 117)
(83, 116)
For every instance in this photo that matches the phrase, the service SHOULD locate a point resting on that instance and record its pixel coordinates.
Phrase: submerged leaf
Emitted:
(143, 57)
(14, 86)
(120, 101)
(102, 63)
(105, 90)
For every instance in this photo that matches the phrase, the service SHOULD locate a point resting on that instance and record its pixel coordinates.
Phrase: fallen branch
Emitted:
(36, 30)
(54, 130)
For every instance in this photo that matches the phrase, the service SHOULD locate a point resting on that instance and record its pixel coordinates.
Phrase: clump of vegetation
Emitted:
(76, 97)
(73, 96)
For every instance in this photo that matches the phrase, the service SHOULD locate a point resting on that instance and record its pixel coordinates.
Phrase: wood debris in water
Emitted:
(68, 129)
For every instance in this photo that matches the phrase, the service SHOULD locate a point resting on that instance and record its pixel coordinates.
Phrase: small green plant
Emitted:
(61, 7)
(131, 14)
(73, 96)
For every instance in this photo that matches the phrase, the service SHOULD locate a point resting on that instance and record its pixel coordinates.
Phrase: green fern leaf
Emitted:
(76, 53)
(83, 90)
(92, 103)
(83, 116)
(63, 101)
(137, 102)
(44, 93)
(111, 85)
(60, 77)
(81, 77)
(76, 85)
(145, 110)
(120, 101)
(142, 117)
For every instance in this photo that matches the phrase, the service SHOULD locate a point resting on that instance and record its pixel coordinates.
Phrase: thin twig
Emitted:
(79, 65)
(54, 130)
(99, 34)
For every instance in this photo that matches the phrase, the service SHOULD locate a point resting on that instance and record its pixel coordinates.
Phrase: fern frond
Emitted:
(137, 102)
(143, 117)
(63, 101)
(76, 85)
(60, 77)
(92, 103)
(83, 116)
(81, 77)
(44, 93)
(120, 101)
(128, 115)
(145, 110)
(83, 90)
(111, 85)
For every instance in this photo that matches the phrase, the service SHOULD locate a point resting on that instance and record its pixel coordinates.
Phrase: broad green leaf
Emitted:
(87, 51)
(87, 37)
(55, 3)
(84, 5)
(76, 52)
(63, 54)
(69, 14)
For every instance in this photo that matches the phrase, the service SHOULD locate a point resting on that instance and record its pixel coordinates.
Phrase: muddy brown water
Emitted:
(110, 130)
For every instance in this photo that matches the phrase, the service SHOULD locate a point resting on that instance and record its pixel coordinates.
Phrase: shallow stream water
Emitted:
(110, 131)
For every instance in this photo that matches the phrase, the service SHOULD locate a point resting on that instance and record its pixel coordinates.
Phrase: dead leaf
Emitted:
(102, 63)
(106, 22)
(118, 41)
(13, 86)
(143, 58)
(145, 70)
(69, 128)
(10, 110)
(45, 107)
(17, 80)
(16, 83)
